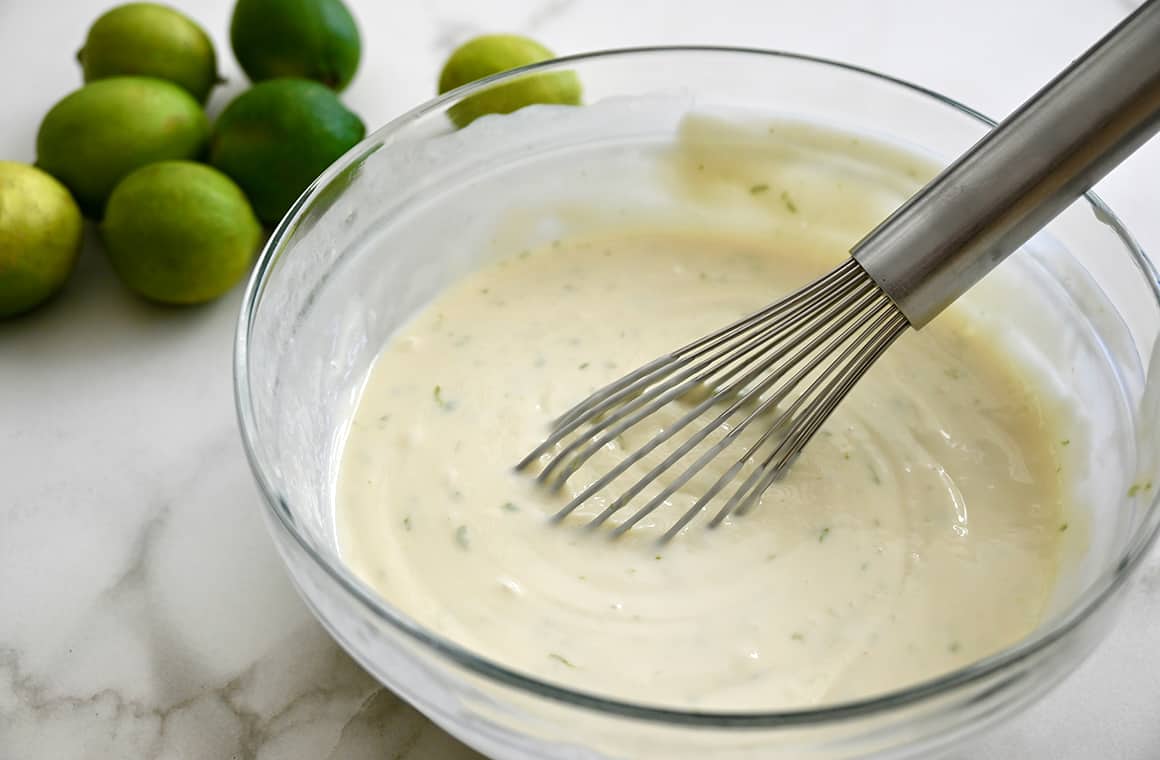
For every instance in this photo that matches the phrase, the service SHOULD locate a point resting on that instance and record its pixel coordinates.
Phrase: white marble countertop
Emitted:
(144, 614)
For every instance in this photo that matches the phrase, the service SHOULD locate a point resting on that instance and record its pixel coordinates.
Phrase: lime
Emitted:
(493, 53)
(40, 237)
(151, 40)
(307, 39)
(180, 232)
(276, 137)
(103, 131)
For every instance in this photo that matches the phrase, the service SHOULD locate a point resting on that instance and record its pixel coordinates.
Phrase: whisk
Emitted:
(789, 365)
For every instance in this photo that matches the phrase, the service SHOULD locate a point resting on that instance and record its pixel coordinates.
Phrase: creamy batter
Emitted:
(919, 531)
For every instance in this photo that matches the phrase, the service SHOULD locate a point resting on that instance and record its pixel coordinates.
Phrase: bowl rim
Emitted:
(1098, 593)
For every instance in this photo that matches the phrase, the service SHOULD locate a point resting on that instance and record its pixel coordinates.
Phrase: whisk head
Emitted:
(770, 379)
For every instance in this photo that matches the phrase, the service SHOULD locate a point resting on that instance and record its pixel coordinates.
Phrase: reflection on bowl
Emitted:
(414, 207)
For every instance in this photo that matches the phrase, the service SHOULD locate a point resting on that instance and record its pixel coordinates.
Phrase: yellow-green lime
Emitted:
(278, 136)
(493, 53)
(96, 135)
(40, 237)
(307, 39)
(151, 40)
(179, 232)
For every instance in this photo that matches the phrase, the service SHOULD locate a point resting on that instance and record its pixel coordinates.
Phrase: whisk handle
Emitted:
(1021, 175)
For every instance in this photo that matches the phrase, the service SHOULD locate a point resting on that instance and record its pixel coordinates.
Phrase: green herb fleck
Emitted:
(874, 474)
(954, 647)
(407, 522)
(441, 402)
(561, 659)
(770, 557)
(1065, 442)
(798, 637)
(525, 253)
(759, 189)
(822, 536)
(1063, 527)
(790, 206)
(658, 556)
(462, 538)
(484, 291)
(585, 365)
(509, 506)
(1138, 487)
(954, 373)
(865, 566)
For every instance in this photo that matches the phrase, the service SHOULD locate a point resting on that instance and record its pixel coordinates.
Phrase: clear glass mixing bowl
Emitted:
(403, 214)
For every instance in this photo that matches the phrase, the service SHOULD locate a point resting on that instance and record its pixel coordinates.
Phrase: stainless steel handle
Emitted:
(1022, 174)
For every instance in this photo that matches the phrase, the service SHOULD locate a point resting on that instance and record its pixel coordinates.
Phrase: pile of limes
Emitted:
(180, 204)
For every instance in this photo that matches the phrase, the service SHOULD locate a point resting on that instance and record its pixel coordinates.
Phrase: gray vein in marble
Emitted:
(371, 722)
(547, 13)
(451, 33)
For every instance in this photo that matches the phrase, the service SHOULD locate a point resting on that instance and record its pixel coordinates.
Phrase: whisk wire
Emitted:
(644, 404)
(809, 348)
(730, 388)
(629, 388)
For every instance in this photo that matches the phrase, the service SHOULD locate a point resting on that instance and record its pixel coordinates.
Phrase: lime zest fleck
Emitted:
(790, 206)
(758, 189)
(1063, 527)
(561, 659)
(442, 403)
(1138, 487)
(462, 538)
(822, 536)
(509, 506)
(798, 636)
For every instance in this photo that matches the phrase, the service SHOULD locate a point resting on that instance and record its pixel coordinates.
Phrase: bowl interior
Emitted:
(419, 204)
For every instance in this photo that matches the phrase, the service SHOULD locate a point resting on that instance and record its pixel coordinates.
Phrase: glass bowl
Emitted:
(404, 213)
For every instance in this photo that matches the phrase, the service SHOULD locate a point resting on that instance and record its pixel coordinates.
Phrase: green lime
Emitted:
(150, 40)
(278, 136)
(307, 39)
(493, 53)
(40, 237)
(103, 131)
(180, 232)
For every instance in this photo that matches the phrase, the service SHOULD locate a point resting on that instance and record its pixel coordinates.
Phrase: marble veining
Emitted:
(143, 611)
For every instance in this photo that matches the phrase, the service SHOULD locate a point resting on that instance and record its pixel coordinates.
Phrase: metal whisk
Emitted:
(789, 365)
